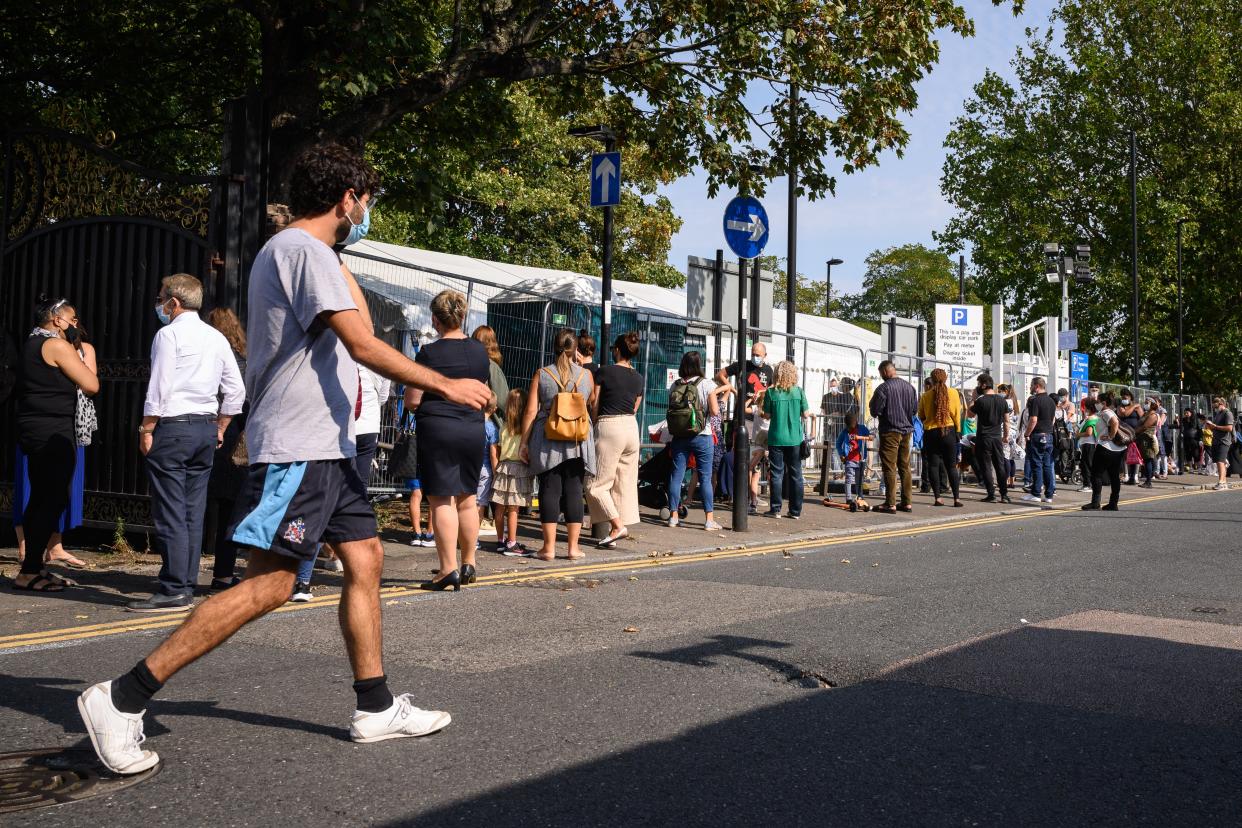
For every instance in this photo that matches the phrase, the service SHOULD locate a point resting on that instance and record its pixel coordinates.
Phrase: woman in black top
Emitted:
(52, 372)
(1130, 412)
(613, 494)
(450, 441)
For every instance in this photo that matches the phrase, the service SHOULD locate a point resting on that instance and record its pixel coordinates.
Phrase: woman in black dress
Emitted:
(51, 374)
(450, 441)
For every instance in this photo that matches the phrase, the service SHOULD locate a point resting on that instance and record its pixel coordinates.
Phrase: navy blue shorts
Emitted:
(289, 508)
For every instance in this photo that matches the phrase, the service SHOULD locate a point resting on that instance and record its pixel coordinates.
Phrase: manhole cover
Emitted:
(35, 778)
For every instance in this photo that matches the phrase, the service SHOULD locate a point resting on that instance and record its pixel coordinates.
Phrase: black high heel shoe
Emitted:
(453, 579)
(467, 573)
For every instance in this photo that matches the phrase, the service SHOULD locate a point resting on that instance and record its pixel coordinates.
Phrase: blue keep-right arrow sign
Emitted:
(746, 227)
(606, 179)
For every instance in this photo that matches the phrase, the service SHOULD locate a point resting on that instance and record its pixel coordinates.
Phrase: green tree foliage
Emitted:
(809, 293)
(682, 71)
(1045, 159)
(521, 196)
(905, 281)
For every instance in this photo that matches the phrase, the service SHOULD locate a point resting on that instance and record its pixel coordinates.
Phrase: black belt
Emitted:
(190, 418)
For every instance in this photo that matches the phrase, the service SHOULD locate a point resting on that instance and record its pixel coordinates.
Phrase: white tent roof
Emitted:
(413, 288)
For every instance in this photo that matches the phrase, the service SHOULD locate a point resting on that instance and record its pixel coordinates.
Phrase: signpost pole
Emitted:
(718, 305)
(741, 440)
(605, 346)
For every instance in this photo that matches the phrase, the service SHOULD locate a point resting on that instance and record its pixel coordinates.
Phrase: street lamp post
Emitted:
(828, 287)
(604, 135)
(1134, 248)
(1181, 375)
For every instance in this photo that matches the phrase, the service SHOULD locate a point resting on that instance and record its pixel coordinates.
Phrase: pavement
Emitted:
(1002, 666)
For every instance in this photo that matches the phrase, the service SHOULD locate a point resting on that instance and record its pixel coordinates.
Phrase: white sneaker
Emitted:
(401, 720)
(1030, 498)
(673, 521)
(1085, 489)
(487, 528)
(712, 526)
(115, 735)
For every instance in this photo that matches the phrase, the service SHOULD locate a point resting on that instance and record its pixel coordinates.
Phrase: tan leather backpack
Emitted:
(568, 421)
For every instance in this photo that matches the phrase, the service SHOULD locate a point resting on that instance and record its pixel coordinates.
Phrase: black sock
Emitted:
(373, 694)
(132, 691)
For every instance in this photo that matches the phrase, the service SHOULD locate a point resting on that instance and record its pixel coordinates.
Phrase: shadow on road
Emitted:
(1037, 726)
(55, 700)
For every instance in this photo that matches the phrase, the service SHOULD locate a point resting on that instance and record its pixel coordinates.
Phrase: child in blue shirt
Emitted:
(852, 448)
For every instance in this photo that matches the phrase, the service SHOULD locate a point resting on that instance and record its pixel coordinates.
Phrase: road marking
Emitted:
(20, 640)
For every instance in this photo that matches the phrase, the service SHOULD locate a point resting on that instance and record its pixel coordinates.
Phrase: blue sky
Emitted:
(895, 203)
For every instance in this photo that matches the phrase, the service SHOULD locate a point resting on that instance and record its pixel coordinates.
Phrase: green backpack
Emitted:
(686, 416)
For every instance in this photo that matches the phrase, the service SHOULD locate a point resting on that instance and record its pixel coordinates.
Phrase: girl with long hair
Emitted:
(560, 465)
(940, 409)
(785, 407)
(512, 487)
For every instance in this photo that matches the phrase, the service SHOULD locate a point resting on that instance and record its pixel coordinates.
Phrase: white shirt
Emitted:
(375, 391)
(191, 364)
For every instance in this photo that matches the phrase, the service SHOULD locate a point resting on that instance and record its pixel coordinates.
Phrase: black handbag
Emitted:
(804, 450)
(403, 459)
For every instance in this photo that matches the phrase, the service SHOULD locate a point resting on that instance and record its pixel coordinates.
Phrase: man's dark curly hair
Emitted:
(323, 174)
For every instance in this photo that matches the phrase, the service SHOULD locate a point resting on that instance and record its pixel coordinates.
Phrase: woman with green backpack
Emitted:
(691, 404)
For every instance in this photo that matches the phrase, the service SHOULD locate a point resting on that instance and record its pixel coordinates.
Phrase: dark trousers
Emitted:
(560, 492)
(1043, 477)
(50, 469)
(895, 461)
(940, 460)
(179, 467)
(990, 452)
(786, 463)
(1087, 455)
(1106, 465)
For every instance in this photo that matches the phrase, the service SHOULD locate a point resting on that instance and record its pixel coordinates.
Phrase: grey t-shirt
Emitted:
(301, 381)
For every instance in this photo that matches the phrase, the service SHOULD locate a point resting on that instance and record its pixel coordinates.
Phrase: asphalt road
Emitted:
(1060, 669)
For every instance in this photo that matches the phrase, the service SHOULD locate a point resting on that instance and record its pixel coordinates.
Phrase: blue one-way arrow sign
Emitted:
(746, 226)
(606, 179)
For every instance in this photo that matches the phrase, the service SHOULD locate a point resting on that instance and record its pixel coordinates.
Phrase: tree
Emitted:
(520, 197)
(810, 295)
(1045, 159)
(905, 281)
(683, 72)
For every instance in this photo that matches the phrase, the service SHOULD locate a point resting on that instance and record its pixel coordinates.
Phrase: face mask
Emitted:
(1125, 400)
(357, 232)
(1098, 407)
(164, 316)
(71, 333)
(755, 358)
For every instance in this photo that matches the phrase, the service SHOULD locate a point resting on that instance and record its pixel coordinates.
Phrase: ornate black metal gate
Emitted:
(80, 222)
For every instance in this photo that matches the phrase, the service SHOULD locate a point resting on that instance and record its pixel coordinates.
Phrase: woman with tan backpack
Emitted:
(558, 443)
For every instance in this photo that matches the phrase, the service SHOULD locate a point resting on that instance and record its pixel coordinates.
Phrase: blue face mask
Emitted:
(357, 232)
(164, 316)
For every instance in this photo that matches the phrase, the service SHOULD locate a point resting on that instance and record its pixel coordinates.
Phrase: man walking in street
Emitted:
(992, 432)
(305, 338)
(895, 403)
(1042, 412)
(1221, 425)
(183, 422)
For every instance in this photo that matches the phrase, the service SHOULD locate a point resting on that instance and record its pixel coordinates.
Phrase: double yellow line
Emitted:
(146, 623)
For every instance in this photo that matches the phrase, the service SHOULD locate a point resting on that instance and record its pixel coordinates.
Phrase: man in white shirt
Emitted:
(195, 390)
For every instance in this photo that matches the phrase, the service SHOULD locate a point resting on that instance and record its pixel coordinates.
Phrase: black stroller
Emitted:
(653, 484)
(1068, 469)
